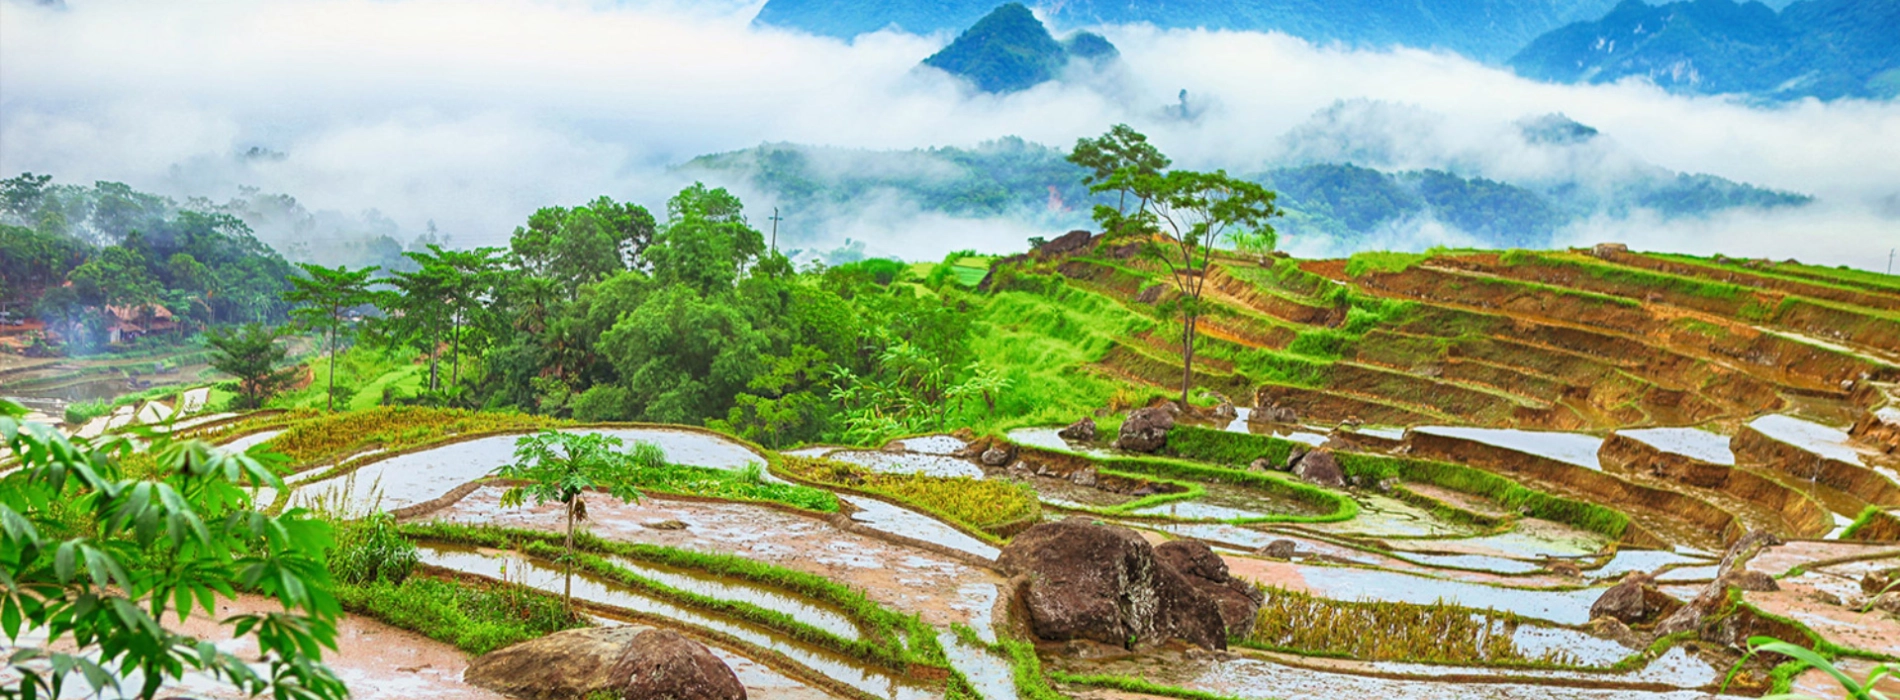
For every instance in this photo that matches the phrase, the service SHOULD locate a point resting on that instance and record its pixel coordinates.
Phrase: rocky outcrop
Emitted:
(1079, 431)
(1319, 467)
(1225, 411)
(998, 455)
(1879, 428)
(1239, 602)
(666, 665)
(629, 662)
(1146, 429)
(1634, 601)
(1709, 605)
(1065, 244)
(562, 665)
(1280, 549)
(1084, 581)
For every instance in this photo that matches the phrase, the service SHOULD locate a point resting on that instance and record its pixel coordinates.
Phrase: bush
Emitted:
(79, 413)
(476, 619)
(974, 503)
(372, 550)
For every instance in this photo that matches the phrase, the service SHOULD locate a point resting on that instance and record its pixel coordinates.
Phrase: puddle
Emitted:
(1638, 560)
(979, 601)
(813, 452)
(876, 682)
(934, 445)
(1047, 438)
(1384, 516)
(883, 516)
(1228, 502)
(1477, 562)
(244, 444)
(1689, 442)
(1686, 574)
(909, 463)
(1537, 641)
(1393, 434)
(416, 477)
(1532, 539)
(1819, 439)
(1572, 448)
(1314, 439)
(992, 675)
(1239, 423)
(1347, 584)
(711, 587)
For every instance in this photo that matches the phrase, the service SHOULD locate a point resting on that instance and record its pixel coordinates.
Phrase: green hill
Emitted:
(1009, 50)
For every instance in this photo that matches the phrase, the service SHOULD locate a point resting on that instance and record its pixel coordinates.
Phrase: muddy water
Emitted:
(914, 525)
(1350, 584)
(1384, 516)
(942, 445)
(1047, 438)
(247, 442)
(821, 617)
(1640, 561)
(941, 589)
(1822, 440)
(991, 674)
(1257, 678)
(1571, 448)
(909, 463)
(1689, 442)
(1477, 562)
(501, 566)
(1228, 502)
(416, 477)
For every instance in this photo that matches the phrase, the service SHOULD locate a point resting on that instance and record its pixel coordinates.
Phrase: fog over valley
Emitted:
(386, 116)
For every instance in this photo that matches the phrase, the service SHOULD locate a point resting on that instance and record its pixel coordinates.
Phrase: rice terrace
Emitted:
(1338, 416)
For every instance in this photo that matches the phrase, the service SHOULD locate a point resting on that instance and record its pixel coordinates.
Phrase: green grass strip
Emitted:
(1338, 506)
(1507, 493)
(1137, 685)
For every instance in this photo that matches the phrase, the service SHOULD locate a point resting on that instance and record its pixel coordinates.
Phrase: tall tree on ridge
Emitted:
(326, 294)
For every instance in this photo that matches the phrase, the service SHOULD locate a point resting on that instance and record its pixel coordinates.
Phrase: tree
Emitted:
(326, 294)
(252, 355)
(1121, 149)
(563, 467)
(117, 276)
(92, 558)
(1179, 218)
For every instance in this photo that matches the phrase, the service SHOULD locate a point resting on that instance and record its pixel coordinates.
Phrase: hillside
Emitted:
(1489, 30)
(1817, 48)
(1009, 50)
(1339, 205)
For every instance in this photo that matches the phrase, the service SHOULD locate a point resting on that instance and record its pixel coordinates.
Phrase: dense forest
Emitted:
(69, 254)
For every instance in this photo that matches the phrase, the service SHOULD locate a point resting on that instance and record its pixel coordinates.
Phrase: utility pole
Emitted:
(1890, 260)
(775, 220)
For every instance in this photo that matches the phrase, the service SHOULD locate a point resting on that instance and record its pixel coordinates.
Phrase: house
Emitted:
(132, 322)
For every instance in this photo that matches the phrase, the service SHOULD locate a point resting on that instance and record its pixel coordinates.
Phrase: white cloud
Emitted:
(475, 112)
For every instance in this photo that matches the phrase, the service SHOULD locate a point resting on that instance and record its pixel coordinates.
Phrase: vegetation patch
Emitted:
(1386, 631)
(311, 439)
(1333, 506)
(746, 484)
(1507, 493)
(473, 617)
(977, 504)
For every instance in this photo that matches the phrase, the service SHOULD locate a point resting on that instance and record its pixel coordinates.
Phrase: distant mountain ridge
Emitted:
(1009, 50)
(1489, 30)
(1814, 48)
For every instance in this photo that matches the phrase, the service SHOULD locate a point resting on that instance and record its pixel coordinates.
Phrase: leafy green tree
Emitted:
(557, 467)
(325, 295)
(253, 355)
(92, 558)
(1122, 149)
(779, 407)
(1181, 216)
(682, 356)
(582, 245)
(706, 242)
(117, 276)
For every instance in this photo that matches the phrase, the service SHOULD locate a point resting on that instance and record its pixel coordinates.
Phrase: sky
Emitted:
(473, 113)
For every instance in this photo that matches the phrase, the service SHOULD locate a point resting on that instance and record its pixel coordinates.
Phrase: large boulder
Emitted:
(1079, 431)
(563, 665)
(1082, 580)
(1239, 602)
(1633, 601)
(666, 665)
(1319, 467)
(1714, 599)
(1146, 430)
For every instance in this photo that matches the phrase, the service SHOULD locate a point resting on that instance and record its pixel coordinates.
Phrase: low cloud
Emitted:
(473, 113)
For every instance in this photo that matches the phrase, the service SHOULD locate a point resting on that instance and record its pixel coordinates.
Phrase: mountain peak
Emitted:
(1010, 50)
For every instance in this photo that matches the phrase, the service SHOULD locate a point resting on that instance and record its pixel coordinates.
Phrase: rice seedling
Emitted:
(1388, 631)
(975, 503)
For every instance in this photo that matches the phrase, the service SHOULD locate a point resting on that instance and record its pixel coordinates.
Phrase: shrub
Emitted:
(371, 550)
(474, 618)
(79, 413)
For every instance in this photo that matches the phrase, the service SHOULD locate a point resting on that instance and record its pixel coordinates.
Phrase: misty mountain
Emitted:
(1489, 30)
(1815, 48)
(1009, 50)
(1332, 205)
